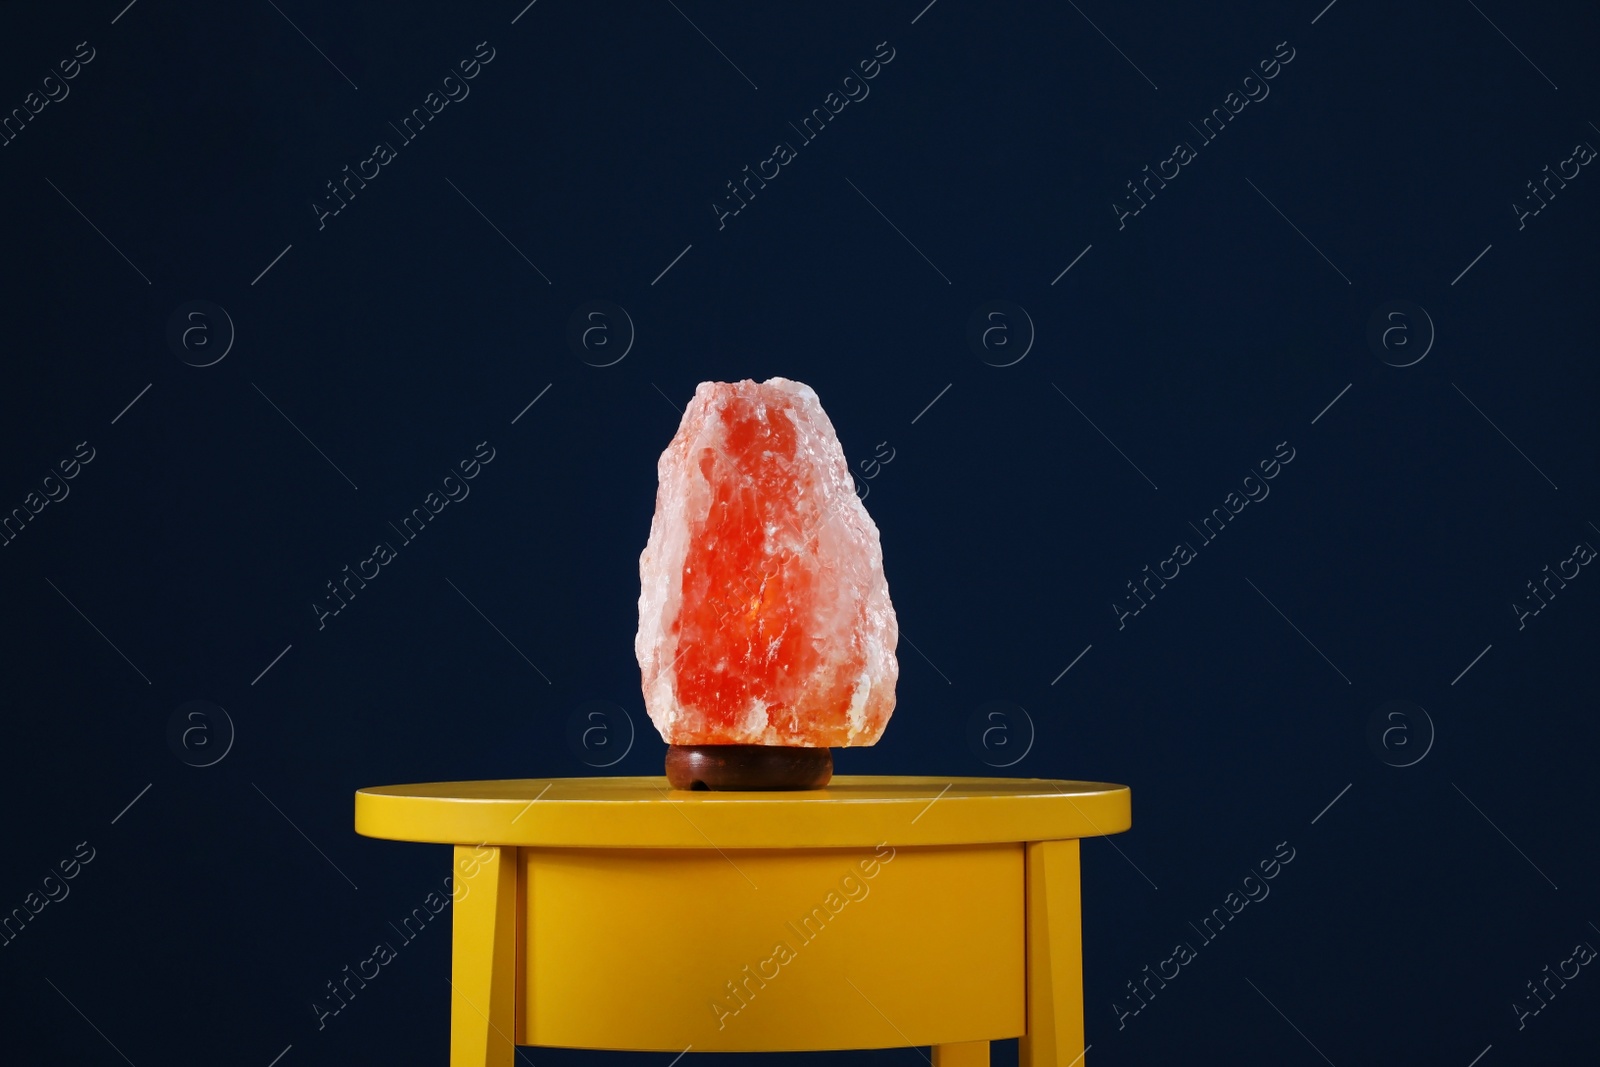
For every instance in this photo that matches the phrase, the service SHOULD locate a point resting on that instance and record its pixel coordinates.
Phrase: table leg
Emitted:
(483, 957)
(1055, 956)
(962, 1054)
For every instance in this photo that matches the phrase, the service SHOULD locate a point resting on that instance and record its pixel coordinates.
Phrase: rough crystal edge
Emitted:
(661, 599)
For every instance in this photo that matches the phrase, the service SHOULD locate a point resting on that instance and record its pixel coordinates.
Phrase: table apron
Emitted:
(769, 950)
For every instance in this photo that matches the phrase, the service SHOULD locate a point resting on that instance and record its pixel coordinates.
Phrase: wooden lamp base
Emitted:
(752, 767)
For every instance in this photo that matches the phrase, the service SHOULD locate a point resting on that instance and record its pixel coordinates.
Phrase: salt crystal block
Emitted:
(764, 613)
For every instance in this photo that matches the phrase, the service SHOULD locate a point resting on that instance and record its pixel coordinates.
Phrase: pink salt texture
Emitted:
(764, 613)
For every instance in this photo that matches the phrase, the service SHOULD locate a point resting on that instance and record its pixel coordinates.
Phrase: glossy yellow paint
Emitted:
(966, 1054)
(766, 950)
(483, 957)
(879, 912)
(853, 811)
(1055, 957)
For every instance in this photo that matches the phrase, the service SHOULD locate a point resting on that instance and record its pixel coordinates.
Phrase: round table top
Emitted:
(852, 811)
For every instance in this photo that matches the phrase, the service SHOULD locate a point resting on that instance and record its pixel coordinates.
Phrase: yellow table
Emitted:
(879, 912)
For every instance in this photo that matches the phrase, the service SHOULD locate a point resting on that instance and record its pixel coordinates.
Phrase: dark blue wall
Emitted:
(1341, 274)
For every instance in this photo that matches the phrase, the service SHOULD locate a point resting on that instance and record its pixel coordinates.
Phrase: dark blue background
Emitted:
(1196, 338)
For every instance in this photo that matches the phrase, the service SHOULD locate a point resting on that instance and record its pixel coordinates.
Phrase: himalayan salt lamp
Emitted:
(766, 635)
